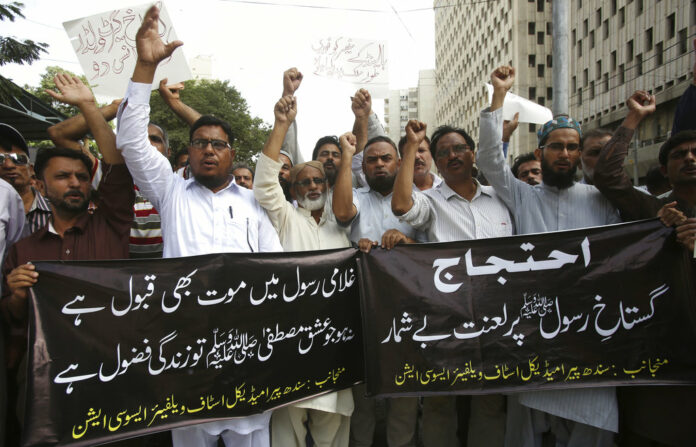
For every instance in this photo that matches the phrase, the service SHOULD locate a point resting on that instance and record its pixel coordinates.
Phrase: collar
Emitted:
(78, 227)
(192, 181)
(448, 192)
(39, 203)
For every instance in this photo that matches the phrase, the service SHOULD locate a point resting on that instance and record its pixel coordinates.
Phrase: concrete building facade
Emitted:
(471, 40)
(619, 46)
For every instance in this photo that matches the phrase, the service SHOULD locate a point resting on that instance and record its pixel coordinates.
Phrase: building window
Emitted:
(580, 97)
(540, 70)
(605, 81)
(579, 48)
(549, 28)
(622, 17)
(658, 54)
(584, 77)
(573, 37)
(639, 64)
(549, 60)
(540, 5)
(532, 93)
(541, 100)
(613, 7)
(683, 46)
(573, 84)
(622, 75)
(592, 42)
(531, 28)
(549, 93)
(639, 7)
(598, 69)
(648, 39)
(605, 29)
(584, 28)
(532, 60)
(671, 28)
(629, 51)
(579, 4)
(599, 17)
(592, 90)
(613, 61)
(540, 38)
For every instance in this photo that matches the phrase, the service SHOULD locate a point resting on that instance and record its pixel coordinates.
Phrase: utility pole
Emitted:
(561, 60)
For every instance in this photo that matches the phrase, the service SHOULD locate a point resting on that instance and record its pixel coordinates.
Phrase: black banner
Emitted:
(595, 307)
(121, 348)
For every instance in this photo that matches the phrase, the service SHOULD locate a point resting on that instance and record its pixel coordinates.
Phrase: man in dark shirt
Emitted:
(663, 414)
(72, 233)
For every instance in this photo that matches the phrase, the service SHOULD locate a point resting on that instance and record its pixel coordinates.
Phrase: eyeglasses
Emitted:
(202, 143)
(457, 149)
(308, 181)
(572, 147)
(679, 154)
(18, 159)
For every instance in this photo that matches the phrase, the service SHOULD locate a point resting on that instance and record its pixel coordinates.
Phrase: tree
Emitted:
(47, 83)
(13, 50)
(213, 97)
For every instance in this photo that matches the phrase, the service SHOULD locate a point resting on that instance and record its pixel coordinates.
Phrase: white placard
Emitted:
(530, 112)
(360, 62)
(105, 46)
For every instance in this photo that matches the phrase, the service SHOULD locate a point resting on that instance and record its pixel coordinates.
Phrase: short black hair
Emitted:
(242, 165)
(444, 130)
(381, 139)
(402, 143)
(654, 179)
(210, 120)
(674, 141)
(45, 155)
(520, 160)
(329, 139)
(595, 133)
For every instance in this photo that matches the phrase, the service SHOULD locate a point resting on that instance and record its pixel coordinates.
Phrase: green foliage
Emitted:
(47, 83)
(213, 97)
(13, 50)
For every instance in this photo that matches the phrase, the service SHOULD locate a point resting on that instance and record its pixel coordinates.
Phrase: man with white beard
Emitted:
(310, 226)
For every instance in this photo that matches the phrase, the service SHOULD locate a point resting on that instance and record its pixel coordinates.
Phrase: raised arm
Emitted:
(402, 201)
(610, 177)
(67, 133)
(284, 112)
(292, 79)
(490, 158)
(361, 104)
(170, 94)
(343, 206)
(151, 170)
(75, 93)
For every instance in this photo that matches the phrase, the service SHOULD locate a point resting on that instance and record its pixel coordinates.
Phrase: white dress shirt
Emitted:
(446, 216)
(300, 232)
(194, 219)
(11, 219)
(376, 218)
(539, 209)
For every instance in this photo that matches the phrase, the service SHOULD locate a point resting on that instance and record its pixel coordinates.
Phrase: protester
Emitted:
(72, 233)
(180, 160)
(309, 226)
(527, 168)
(243, 175)
(16, 169)
(592, 142)
(377, 226)
(656, 182)
(11, 227)
(577, 416)
(457, 209)
(207, 213)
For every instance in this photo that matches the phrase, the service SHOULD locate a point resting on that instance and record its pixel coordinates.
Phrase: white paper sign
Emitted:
(360, 62)
(105, 46)
(530, 112)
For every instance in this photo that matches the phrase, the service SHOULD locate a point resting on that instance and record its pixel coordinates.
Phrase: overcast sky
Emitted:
(251, 44)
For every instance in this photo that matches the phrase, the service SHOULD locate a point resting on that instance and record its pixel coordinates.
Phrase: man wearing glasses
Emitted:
(581, 416)
(16, 169)
(309, 226)
(207, 213)
(460, 208)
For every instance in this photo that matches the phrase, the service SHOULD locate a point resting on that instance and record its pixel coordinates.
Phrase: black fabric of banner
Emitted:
(121, 348)
(596, 307)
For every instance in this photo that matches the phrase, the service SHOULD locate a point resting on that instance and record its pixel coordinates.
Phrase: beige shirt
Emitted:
(298, 231)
